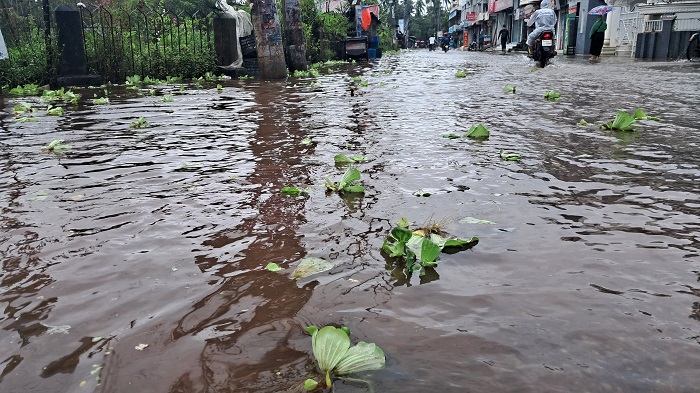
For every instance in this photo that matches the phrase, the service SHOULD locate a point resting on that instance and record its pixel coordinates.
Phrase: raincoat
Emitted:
(544, 19)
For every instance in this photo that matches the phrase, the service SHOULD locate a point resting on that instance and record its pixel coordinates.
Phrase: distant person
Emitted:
(431, 43)
(597, 37)
(504, 36)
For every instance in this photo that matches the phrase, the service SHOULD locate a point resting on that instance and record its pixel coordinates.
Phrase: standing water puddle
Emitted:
(135, 261)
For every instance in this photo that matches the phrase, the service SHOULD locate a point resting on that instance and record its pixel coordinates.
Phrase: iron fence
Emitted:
(118, 42)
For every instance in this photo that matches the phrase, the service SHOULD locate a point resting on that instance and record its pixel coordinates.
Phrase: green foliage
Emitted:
(343, 159)
(310, 266)
(623, 122)
(345, 185)
(56, 146)
(478, 131)
(273, 267)
(420, 249)
(323, 32)
(336, 355)
(295, 191)
(509, 88)
(29, 89)
(551, 95)
(140, 123)
(509, 156)
(54, 111)
(60, 95)
(461, 74)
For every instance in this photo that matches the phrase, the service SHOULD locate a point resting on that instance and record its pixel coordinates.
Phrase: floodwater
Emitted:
(587, 280)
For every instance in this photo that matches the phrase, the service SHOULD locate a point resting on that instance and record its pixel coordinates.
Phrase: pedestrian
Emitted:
(503, 35)
(597, 37)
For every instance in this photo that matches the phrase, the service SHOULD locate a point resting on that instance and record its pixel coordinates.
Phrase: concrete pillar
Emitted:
(72, 68)
(607, 49)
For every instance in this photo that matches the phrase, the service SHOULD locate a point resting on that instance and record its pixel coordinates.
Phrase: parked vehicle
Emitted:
(692, 52)
(544, 48)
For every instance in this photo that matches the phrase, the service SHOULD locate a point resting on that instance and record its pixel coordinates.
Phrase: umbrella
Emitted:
(600, 10)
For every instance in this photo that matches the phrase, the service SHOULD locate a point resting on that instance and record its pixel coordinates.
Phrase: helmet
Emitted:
(546, 4)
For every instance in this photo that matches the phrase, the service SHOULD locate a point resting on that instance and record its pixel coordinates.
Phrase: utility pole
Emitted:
(47, 39)
(294, 33)
(268, 38)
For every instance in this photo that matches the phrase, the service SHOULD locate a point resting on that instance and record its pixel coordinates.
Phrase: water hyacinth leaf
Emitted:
(350, 176)
(310, 385)
(582, 122)
(551, 95)
(306, 141)
(451, 136)
(310, 266)
(462, 244)
(509, 88)
(329, 345)
(57, 146)
(23, 107)
(24, 120)
(356, 189)
(403, 223)
(273, 267)
(311, 329)
(415, 244)
(54, 111)
(346, 330)
(640, 115)
(357, 158)
(361, 357)
(461, 74)
(509, 156)
(295, 191)
(429, 252)
(343, 159)
(623, 122)
(472, 220)
(477, 131)
(402, 235)
(100, 101)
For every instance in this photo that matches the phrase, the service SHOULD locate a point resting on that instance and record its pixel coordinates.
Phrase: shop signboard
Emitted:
(472, 16)
(499, 5)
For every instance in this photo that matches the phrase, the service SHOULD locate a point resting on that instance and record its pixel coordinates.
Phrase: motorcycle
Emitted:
(544, 48)
(431, 47)
(445, 45)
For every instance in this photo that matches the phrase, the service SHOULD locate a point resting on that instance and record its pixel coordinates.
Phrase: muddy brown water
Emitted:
(588, 280)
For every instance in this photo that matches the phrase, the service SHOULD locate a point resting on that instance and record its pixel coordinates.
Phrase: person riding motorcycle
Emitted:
(544, 19)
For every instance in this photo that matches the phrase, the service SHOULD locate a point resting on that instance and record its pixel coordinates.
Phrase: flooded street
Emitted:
(586, 277)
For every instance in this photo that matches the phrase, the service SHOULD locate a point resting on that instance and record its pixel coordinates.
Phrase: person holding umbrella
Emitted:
(597, 33)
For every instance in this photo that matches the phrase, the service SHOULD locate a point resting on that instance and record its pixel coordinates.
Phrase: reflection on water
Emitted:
(136, 260)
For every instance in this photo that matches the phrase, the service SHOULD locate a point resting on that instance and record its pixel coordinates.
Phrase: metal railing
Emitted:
(118, 42)
(653, 26)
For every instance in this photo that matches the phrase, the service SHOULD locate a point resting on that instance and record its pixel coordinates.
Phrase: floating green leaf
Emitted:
(345, 184)
(361, 357)
(310, 385)
(56, 146)
(551, 95)
(273, 267)
(451, 136)
(640, 115)
(22, 108)
(343, 159)
(509, 88)
(403, 223)
(472, 220)
(461, 74)
(26, 90)
(583, 123)
(623, 122)
(306, 141)
(167, 98)
(54, 111)
(24, 120)
(100, 101)
(509, 156)
(140, 123)
(310, 266)
(334, 353)
(478, 132)
(329, 345)
(294, 191)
